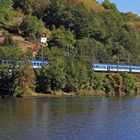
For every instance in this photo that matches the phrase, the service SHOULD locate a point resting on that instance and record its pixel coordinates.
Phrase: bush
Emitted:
(32, 28)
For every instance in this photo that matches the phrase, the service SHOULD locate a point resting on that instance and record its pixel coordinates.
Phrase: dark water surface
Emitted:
(70, 119)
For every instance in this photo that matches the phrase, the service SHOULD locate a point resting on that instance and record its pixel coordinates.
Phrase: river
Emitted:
(70, 119)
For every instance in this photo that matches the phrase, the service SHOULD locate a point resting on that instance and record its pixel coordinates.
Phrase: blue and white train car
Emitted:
(116, 68)
(34, 63)
(135, 69)
(100, 67)
(38, 63)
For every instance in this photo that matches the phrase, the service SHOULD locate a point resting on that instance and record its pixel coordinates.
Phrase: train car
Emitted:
(38, 63)
(118, 68)
(135, 69)
(123, 68)
(111, 68)
(34, 63)
(100, 67)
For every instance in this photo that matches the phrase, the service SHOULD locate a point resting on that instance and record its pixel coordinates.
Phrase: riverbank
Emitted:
(61, 94)
(86, 93)
(65, 94)
(56, 95)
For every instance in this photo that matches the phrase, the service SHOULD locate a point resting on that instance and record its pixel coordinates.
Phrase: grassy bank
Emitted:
(82, 93)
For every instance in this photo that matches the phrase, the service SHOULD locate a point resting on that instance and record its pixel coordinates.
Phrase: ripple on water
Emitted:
(70, 119)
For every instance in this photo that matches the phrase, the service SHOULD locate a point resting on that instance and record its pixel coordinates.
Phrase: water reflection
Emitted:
(74, 119)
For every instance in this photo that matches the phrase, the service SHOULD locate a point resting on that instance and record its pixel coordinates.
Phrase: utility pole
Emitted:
(118, 63)
(68, 50)
(128, 58)
(42, 53)
(43, 41)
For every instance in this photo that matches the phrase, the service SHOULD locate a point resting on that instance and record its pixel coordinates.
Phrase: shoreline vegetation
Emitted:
(79, 34)
(82, 93)
(105, 84)
(58, 95)
(62, 95)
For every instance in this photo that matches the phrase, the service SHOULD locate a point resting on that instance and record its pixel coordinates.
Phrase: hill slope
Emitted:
(89, 4)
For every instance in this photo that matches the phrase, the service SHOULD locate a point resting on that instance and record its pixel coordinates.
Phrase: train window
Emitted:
(113, 67)
(135, 68)
(34, 63)
(122, 67)
(96, 66)
(103, 67)
(99, 66)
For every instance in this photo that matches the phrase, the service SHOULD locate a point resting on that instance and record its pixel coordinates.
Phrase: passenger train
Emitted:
(96, 67)
(116, 68)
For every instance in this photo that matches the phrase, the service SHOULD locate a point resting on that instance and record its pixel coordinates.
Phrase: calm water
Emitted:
(70, 119)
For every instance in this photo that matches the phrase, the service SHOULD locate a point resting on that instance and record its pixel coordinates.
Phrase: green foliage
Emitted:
(55, 71)
(108, 5)
(31, 6)
(15, 78)
(77, 20)
(32, 27)
(8, 41)
(25, 5)
(54, 12)
(62, 38)
(40, 7)
(7, 3)
(98, 81)
(53, 77)
(120, 84)
(129, 82)
(76, 75)
(6, 13)
(71, 75)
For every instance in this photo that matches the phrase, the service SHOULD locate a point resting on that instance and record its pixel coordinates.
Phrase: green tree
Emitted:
(40, 7)
(54, 11)
(62, 38)
(25, 5)
(32, 28)
(52, 78)
(128, 83)
(78, 20)
(6, 13)
(14, 74)
(8, 41)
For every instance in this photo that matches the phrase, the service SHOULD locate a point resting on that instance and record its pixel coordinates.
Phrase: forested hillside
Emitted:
(80, 33)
